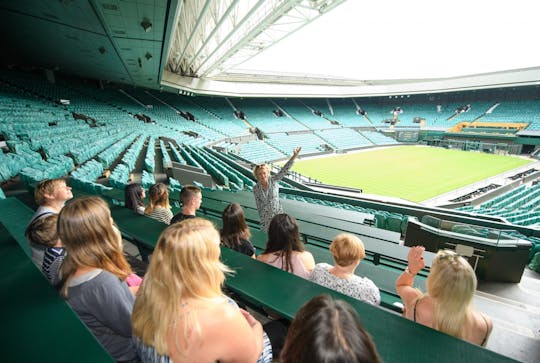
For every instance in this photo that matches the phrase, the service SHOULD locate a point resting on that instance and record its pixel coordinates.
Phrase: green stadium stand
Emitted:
(396, 338)
(38, 325)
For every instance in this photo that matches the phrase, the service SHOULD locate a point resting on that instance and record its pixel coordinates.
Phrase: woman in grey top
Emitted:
(94, 275)
(347, 251)
(266, 190)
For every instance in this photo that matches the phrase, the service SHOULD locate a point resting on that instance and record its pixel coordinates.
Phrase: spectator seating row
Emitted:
(284, 293)
(34, 311)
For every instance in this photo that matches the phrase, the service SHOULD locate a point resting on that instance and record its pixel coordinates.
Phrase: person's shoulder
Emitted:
(322, 267)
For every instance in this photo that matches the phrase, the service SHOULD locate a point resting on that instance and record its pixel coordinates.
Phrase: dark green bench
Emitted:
(15, 216)
(37, 324)
(381, 245)
(263, 285)
(397, 339)
(144, 232)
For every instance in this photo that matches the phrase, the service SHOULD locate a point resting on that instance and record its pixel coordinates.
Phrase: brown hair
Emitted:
(43, 230)
(284, 238)
(44, 187)
(188, 192)
(234, 226)
(91, 240)
(347, 249)
(328, 331)
(158, 196)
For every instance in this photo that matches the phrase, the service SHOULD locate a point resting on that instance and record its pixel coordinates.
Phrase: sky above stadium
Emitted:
(412, 39)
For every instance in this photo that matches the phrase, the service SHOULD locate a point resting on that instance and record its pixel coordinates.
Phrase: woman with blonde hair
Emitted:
(94, 273)
(447, 305)
(181, 313)
(347, 250)
(158, 205)
(266, 191)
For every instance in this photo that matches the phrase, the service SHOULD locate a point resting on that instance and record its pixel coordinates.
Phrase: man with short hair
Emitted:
(50, 195)
(191, 198)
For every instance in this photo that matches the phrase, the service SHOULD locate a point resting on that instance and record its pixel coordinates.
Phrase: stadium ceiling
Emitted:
(192, 46)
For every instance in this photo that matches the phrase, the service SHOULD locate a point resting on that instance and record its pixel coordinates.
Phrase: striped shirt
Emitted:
(52, 260)
(161, 214)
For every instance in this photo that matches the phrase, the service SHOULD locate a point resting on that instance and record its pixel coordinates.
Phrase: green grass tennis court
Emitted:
(415, 173)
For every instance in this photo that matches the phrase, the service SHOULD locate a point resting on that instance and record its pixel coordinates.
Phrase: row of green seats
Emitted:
(167, 162)
(108, 156)
(147, 179)
(396, 338)
(236, 182)
(150, 158)
(34, 311)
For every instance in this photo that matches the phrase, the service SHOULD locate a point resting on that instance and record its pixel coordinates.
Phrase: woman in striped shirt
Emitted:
(158, 206)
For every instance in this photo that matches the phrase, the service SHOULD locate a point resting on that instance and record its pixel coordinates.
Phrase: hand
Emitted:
(297, 151)
(249, 318)
(416, 259)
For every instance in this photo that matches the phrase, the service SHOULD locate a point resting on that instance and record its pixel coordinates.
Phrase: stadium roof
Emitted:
(279, 47)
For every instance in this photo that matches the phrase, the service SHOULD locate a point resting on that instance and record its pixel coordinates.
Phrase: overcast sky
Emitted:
(405, 39)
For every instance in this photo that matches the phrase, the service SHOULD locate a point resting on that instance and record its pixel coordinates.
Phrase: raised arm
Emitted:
(404, 283)
(288, 165)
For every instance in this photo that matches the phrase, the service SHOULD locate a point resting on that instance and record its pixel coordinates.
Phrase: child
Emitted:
(50, 195)
(42, 231)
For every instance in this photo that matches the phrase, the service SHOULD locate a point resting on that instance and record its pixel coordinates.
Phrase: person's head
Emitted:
(185, 266)
(43, 230)
(283, 234)
(234, 225)
(52, 191)
(261, 172)
(325, 330)
(284, 238)
(191, 197)
(134, 195)
(87, 230)
(158, 196)
(451, 283)
(347, 249)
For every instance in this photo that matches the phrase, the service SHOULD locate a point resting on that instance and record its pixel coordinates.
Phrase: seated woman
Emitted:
(347, 251)
(94, 273)
(158, 204)
(328, 331)
(134, 195)
(235, 233)
(181, 314)
(284, 249)
(447, 305)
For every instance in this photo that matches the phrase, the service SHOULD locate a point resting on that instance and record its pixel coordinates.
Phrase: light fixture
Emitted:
(148, 56)
(146, 25)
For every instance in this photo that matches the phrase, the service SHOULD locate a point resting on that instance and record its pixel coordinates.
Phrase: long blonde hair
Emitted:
(185, 265)
(158, 196)
(86, 229)
(451, 283)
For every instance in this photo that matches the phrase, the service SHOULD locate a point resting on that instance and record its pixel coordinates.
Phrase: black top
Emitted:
(245, 247)
(180, 217)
